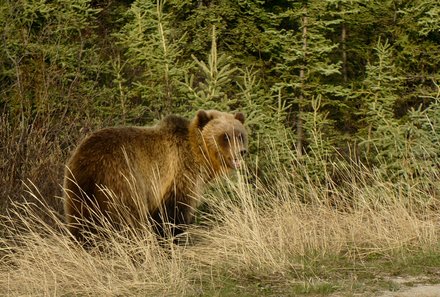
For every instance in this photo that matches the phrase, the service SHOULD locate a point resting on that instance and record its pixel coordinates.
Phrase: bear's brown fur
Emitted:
(154, 172)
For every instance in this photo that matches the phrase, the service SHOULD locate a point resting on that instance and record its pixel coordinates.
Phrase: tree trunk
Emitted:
(344, 52)
(299, 123)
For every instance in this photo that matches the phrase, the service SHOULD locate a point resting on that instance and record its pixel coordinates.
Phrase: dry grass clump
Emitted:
(40, 259)
(251, 229)
(272, 230)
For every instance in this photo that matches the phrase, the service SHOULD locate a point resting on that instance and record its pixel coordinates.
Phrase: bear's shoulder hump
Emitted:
(177, 125)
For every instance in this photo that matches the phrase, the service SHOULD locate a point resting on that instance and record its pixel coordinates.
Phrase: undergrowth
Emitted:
(294, 235)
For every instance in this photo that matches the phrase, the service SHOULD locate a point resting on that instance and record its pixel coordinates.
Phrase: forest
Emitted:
(342, 102)
(350, 79)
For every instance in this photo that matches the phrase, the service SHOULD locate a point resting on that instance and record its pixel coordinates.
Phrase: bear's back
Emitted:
(107, 154)
(115, 140)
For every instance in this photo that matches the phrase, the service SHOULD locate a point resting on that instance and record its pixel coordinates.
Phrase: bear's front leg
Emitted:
(174, 216)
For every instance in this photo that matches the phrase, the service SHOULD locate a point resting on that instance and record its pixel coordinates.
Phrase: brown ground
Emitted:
(413, 287)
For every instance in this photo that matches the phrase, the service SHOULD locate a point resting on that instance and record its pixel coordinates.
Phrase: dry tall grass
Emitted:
(251, 230)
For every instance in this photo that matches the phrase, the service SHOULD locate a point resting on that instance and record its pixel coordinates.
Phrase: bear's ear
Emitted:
(202, 118)
(239, 116)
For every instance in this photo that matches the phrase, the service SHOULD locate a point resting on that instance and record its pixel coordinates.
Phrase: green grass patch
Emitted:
(329, 274)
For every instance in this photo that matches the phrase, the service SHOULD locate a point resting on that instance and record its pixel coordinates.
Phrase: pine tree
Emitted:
(48, 59)
(152, 50)
(240, 27)
(213, 78)
(383, 137)
(417, 38)
(306, 65)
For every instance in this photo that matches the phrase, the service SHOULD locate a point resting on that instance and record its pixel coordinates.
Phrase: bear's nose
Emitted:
(243, 152)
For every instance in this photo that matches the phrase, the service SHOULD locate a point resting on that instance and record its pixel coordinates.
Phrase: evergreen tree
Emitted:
(153, 52)
(418, 41)
(48, 60)
(331, 71)
(381, 86)
(240, 27)
(306, 65)
(212, 79)
(384, 136)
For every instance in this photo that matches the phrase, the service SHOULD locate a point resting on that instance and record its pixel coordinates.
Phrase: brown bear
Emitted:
(150, 172)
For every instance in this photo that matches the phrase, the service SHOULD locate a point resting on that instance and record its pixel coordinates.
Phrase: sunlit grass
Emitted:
(292, 235)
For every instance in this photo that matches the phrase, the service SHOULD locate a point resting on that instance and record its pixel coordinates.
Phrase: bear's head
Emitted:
(223, 138)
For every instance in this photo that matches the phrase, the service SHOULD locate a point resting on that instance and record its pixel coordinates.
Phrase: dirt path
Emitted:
(412, 287)
(416, 291)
